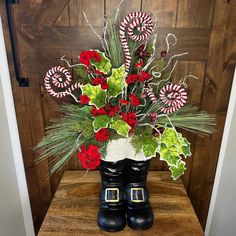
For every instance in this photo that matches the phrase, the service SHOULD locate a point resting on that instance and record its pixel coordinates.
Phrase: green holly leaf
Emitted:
(170, 154)
(177, 170)
(104, 65)
(95, 93)
(116, 82)
(101, 122)
(121, 127)
(170, 137)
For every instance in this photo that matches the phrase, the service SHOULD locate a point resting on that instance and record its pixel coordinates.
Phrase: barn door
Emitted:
(48, 29)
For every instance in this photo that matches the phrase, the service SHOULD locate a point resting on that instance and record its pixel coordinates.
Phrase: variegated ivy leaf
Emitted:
(101, 121)
(150, 148)
(172, 146)
(104, 65)
(116, 82)
(121, 127)
(170, 154)
(177, 170)
(95, 93)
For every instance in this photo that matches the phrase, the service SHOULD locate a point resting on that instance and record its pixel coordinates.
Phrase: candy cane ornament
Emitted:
(173, 96)
(144, 25)
(60, 77)
(149, 91)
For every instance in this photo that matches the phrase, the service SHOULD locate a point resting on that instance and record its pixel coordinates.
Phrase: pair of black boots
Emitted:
(124, 196)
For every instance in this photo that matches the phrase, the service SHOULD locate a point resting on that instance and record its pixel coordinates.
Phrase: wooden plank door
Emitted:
(49, 29)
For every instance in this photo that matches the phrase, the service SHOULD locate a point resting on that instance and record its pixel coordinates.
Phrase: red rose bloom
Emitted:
(130, 118)
(89, 158)
(134, 100)
(102, 135)
(84, 99)
(102, 82)
(113, 110)
(145, 75)
(125, 102)
(98, 112)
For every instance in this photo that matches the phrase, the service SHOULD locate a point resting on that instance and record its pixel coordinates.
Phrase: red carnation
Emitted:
(134, 100)
(84, 99)
(89, 158)
(102, 82)
(102, 135)
(131, 79)
(113, 110)
(124, 102)
(145, 75)
(95, 56)
(130, 118)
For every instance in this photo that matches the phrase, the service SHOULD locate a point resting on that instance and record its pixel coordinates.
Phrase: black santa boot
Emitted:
(139, 211)
(111, 215)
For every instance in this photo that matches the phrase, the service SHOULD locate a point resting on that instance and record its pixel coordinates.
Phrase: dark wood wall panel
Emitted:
(47, 30)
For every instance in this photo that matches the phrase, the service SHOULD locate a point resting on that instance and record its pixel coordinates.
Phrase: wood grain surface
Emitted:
(48, 29)
(75, 205)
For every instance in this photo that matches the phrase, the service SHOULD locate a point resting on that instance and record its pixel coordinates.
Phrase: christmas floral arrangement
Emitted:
(124, 90)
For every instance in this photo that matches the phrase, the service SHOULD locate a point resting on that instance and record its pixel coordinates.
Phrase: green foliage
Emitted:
(95, 93)
(101, 122)
(116, 82)
(104, 65)
(121, 127)
(171, 146)
(65, 135)
(81, 74)
(143, 140)
(177, 170)
(191, 119)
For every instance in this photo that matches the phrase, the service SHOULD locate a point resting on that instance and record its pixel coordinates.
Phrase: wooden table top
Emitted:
(74, 208)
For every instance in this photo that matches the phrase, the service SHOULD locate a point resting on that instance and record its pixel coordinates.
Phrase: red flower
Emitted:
(145, 75)
(124, 102)
(140, 64)
(134, 100)
(102, 135)
(131, 79)
(84, 99)
(98, 112)
(113, 110)
(89, 158)
(98, 72)
(102, 82)
(87, 56)
(130, 118)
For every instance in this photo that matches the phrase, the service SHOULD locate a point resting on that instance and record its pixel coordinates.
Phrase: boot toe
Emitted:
(140, 220)
(111, 221)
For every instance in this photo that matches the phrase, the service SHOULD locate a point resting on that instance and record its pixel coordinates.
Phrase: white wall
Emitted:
(15, 213)
(222, 212)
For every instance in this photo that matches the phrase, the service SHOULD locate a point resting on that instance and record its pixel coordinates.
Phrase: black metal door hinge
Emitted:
(23, 81)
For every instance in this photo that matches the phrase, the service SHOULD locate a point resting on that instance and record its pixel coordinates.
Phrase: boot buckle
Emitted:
(112, 195)
(135, 195)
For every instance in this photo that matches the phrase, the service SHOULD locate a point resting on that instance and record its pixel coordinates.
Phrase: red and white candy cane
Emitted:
(174, 96)
(144, 25)
(149, 91)
(60, 77)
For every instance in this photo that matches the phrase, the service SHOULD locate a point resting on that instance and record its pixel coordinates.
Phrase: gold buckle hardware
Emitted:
(117, 195)
(132, 195)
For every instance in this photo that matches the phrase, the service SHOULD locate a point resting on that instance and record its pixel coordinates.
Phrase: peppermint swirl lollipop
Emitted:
(173, 96)
(134, 21)
(60, 77)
